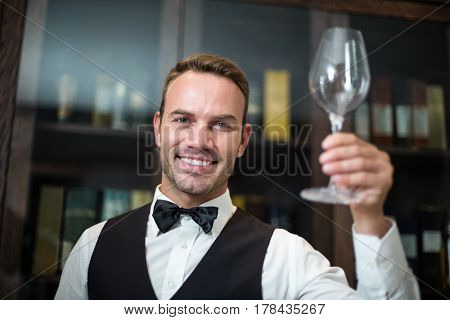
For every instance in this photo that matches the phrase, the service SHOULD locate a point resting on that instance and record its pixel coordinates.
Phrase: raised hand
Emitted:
(355, 164)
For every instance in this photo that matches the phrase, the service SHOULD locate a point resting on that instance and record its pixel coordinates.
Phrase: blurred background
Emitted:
(80, 80)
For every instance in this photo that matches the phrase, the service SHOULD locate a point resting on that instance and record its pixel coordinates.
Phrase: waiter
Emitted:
(191, 242)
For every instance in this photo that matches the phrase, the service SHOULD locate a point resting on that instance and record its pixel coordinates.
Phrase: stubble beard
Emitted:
(190, 183)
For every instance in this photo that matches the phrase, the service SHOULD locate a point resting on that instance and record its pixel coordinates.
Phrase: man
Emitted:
(192, 243)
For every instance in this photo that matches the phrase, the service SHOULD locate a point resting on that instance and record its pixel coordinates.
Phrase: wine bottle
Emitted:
(403, 113)
(79, 214)
(436, 108)
(382, 115)
(118, 114)
(138, 112)
(433, 249)
(140, 198)
(277, 115)
(254, 105)
(409, 231)
(362, 121)
(420, 131)
(102, 113)
(115, 202)
(47, 242)
(67, 89)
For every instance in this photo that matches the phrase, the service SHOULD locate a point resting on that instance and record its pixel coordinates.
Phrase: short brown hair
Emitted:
(208, 63)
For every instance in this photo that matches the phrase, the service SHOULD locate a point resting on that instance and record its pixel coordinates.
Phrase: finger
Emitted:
(347, 152)
(358, 180)
(385, 156)
(382, 179)
(340, 139)
(358, 164)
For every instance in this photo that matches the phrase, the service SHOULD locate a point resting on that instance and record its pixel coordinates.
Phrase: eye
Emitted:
(182, 120)
(223, 125)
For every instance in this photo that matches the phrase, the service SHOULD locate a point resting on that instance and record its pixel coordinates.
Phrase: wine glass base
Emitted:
(330, 195)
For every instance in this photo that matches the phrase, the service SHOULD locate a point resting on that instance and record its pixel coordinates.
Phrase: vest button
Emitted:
(183, 245)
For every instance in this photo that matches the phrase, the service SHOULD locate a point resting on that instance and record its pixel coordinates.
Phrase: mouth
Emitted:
(198, 165)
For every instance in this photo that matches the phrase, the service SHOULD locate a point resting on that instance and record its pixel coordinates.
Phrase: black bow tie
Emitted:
(166, 214)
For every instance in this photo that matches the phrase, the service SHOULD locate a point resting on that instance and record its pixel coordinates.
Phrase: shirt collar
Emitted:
(223, 202)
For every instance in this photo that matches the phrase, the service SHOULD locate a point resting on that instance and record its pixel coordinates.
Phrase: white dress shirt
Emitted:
(292, 269)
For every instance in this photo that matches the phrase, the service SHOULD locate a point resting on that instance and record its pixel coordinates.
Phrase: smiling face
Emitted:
(200, 135)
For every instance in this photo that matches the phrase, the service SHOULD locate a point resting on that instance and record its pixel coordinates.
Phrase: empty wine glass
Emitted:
(339, 81)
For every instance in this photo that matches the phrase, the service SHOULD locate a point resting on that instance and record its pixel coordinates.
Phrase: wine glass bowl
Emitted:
(339, 81)
(339, 78)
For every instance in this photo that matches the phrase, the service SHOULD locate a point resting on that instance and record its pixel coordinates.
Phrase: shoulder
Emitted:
(285, 241)
(80, 255)
(90, 236)
(295, 251)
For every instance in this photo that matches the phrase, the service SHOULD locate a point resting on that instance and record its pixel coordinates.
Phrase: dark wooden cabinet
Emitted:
(137, 42)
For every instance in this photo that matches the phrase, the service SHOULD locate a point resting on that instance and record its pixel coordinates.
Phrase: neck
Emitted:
(187, 200)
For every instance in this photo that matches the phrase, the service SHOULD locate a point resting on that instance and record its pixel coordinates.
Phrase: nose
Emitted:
(200, 137)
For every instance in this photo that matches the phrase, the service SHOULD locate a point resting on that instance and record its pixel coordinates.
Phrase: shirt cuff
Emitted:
(380, 263)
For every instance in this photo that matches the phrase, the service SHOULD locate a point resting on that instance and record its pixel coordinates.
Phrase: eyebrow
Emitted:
(181, 111)
(225, 116)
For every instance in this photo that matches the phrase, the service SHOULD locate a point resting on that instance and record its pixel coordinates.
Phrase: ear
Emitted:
(157, 127)
(246, 133)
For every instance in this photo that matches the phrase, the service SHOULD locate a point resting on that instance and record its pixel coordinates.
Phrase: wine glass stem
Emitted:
(336, 122)
(336, 126)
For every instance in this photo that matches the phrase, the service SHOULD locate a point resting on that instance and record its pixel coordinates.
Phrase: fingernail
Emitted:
(326, 143)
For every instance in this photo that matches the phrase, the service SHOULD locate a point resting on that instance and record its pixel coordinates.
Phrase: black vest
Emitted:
(231, 269)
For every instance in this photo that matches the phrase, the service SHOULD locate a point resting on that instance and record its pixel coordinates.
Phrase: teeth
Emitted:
(196, 162)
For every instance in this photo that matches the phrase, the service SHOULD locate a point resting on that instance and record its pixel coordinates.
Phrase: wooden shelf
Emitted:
(75, 170)
(417, 152)
(81, 154)
(98, 176)
(411, 10)
(85, 129)
(81, 144)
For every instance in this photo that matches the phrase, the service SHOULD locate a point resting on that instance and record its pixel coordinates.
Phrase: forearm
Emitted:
(382, 268)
